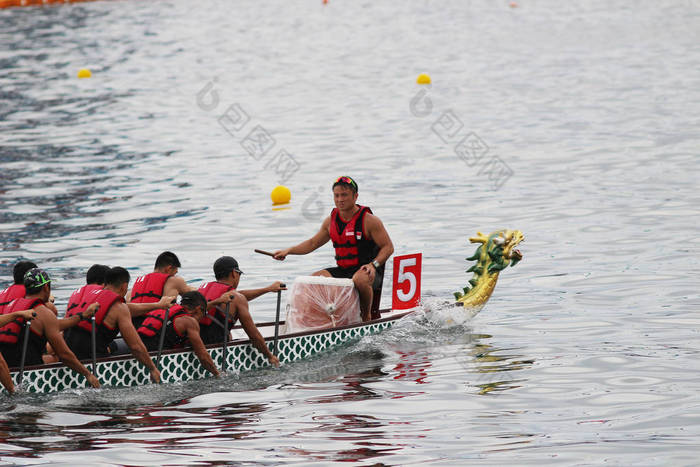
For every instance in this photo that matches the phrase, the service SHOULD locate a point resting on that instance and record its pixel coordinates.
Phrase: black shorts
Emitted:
(343, 273)
(79, 341)
(347, 273)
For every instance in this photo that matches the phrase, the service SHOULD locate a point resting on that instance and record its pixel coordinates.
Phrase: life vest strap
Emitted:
(146, 294)
(215, 320)
(344, 245)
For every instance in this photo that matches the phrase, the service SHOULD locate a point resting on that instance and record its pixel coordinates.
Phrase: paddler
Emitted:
(163, 281)
(5, 377)
(16, 290)
(223, 290)
(44, 327)
(95, 278)
(362, 244)
(183, 326)
(78, 303)
(112, 317)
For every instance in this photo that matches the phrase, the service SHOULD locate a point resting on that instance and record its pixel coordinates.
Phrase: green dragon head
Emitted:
(496, 252)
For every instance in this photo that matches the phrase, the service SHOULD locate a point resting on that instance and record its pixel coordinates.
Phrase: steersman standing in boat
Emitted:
(362, 244)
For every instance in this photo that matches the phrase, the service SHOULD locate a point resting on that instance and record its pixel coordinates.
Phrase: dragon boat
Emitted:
(496, 251)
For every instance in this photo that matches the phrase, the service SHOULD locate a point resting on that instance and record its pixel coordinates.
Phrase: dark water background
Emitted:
(576, 123)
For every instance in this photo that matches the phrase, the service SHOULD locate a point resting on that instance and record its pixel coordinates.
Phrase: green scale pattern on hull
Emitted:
(185, 366)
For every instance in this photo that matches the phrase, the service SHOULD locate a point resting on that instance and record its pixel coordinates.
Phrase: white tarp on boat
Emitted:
(317, 302)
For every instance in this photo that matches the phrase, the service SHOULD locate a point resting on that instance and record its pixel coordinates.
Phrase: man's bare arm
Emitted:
(255, 293)
(256, 338)
(307, 246)
(5, 377)
(51, 306)
(26, 314)
(224, 298)
(52, 334)
(379, 235)
(65, 323)
(140, 309)
(133, 340)
(176, 285)
(191, 329)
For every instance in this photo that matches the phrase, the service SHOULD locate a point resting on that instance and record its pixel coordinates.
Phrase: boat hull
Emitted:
(183, 365)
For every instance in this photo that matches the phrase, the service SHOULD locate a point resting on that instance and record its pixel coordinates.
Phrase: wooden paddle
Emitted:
(263, 252)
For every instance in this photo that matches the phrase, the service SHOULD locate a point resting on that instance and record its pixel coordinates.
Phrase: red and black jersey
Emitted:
(211, 325)
(152, 327)
(13, 292)
(212, 291)
(153, 322)
(352, 247)
(106, 298)
(11, 333)
(149, 288)
(78, 297)
(78, 337)
(12, 336)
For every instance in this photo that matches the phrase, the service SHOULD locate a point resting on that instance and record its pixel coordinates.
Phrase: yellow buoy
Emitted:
(423, 79)
(280, 195)
(84, 73)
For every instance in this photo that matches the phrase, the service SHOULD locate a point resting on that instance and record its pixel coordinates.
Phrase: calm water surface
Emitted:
(579, 124)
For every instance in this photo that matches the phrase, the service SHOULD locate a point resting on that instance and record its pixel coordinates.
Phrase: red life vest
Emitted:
(149, 288)
(77, 299)
(212, 291)
(13, 292)
(10, 333)
(351, 248)
(154, 320)
(106, 298)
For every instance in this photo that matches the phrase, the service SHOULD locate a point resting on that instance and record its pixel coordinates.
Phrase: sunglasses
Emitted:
(347, 180)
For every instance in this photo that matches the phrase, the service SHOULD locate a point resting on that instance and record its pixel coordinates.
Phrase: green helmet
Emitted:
(35, 278)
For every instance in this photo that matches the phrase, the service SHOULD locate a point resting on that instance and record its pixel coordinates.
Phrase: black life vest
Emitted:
(149, 288)
(13, 292)
(11, 333)
(352, 249)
